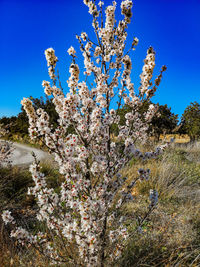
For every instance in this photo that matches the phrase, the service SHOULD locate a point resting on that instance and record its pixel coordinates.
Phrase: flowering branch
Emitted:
(83, 211)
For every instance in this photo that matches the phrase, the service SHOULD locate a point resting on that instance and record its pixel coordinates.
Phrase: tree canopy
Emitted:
(191, 121)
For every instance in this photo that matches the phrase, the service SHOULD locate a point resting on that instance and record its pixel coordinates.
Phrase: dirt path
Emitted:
(22, 154)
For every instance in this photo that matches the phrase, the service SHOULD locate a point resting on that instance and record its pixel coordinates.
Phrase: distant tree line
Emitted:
(18, 125)
(164, 122)
(190, 121)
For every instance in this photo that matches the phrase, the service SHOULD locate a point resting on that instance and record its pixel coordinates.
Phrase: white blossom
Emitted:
(71, 51)
(84, 209)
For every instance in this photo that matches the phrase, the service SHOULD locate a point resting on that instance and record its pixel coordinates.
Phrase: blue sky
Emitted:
(27, 28)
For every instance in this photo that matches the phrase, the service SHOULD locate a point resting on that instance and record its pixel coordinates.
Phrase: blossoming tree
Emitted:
(84, 214)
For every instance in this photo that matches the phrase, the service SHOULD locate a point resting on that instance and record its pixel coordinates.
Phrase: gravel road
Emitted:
(22, 154)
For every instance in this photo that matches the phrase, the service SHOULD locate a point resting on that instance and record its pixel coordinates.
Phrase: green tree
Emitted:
(48, 106)
(19, 124)
(191, 121)
(164, 122)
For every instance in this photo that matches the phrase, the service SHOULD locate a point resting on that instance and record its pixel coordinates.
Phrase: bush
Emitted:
(83, 214)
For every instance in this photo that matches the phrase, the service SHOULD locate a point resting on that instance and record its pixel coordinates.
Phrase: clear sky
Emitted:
(28, 27)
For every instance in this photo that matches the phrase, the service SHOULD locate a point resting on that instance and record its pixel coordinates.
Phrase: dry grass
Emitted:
(171, 236)
(180, 139)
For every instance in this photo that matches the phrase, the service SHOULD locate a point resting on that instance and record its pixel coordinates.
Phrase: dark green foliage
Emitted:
(18, 125)
(190, 121)
(164, 122)
(121, 112)
(48, 106)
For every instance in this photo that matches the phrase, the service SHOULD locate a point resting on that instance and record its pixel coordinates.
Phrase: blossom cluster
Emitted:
(51, 62)
(86, 208)
(5, 149)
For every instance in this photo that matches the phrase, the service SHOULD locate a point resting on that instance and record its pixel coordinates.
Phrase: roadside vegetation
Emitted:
(170, 237)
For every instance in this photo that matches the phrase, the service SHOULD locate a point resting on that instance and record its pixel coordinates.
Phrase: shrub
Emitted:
(85, 226)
